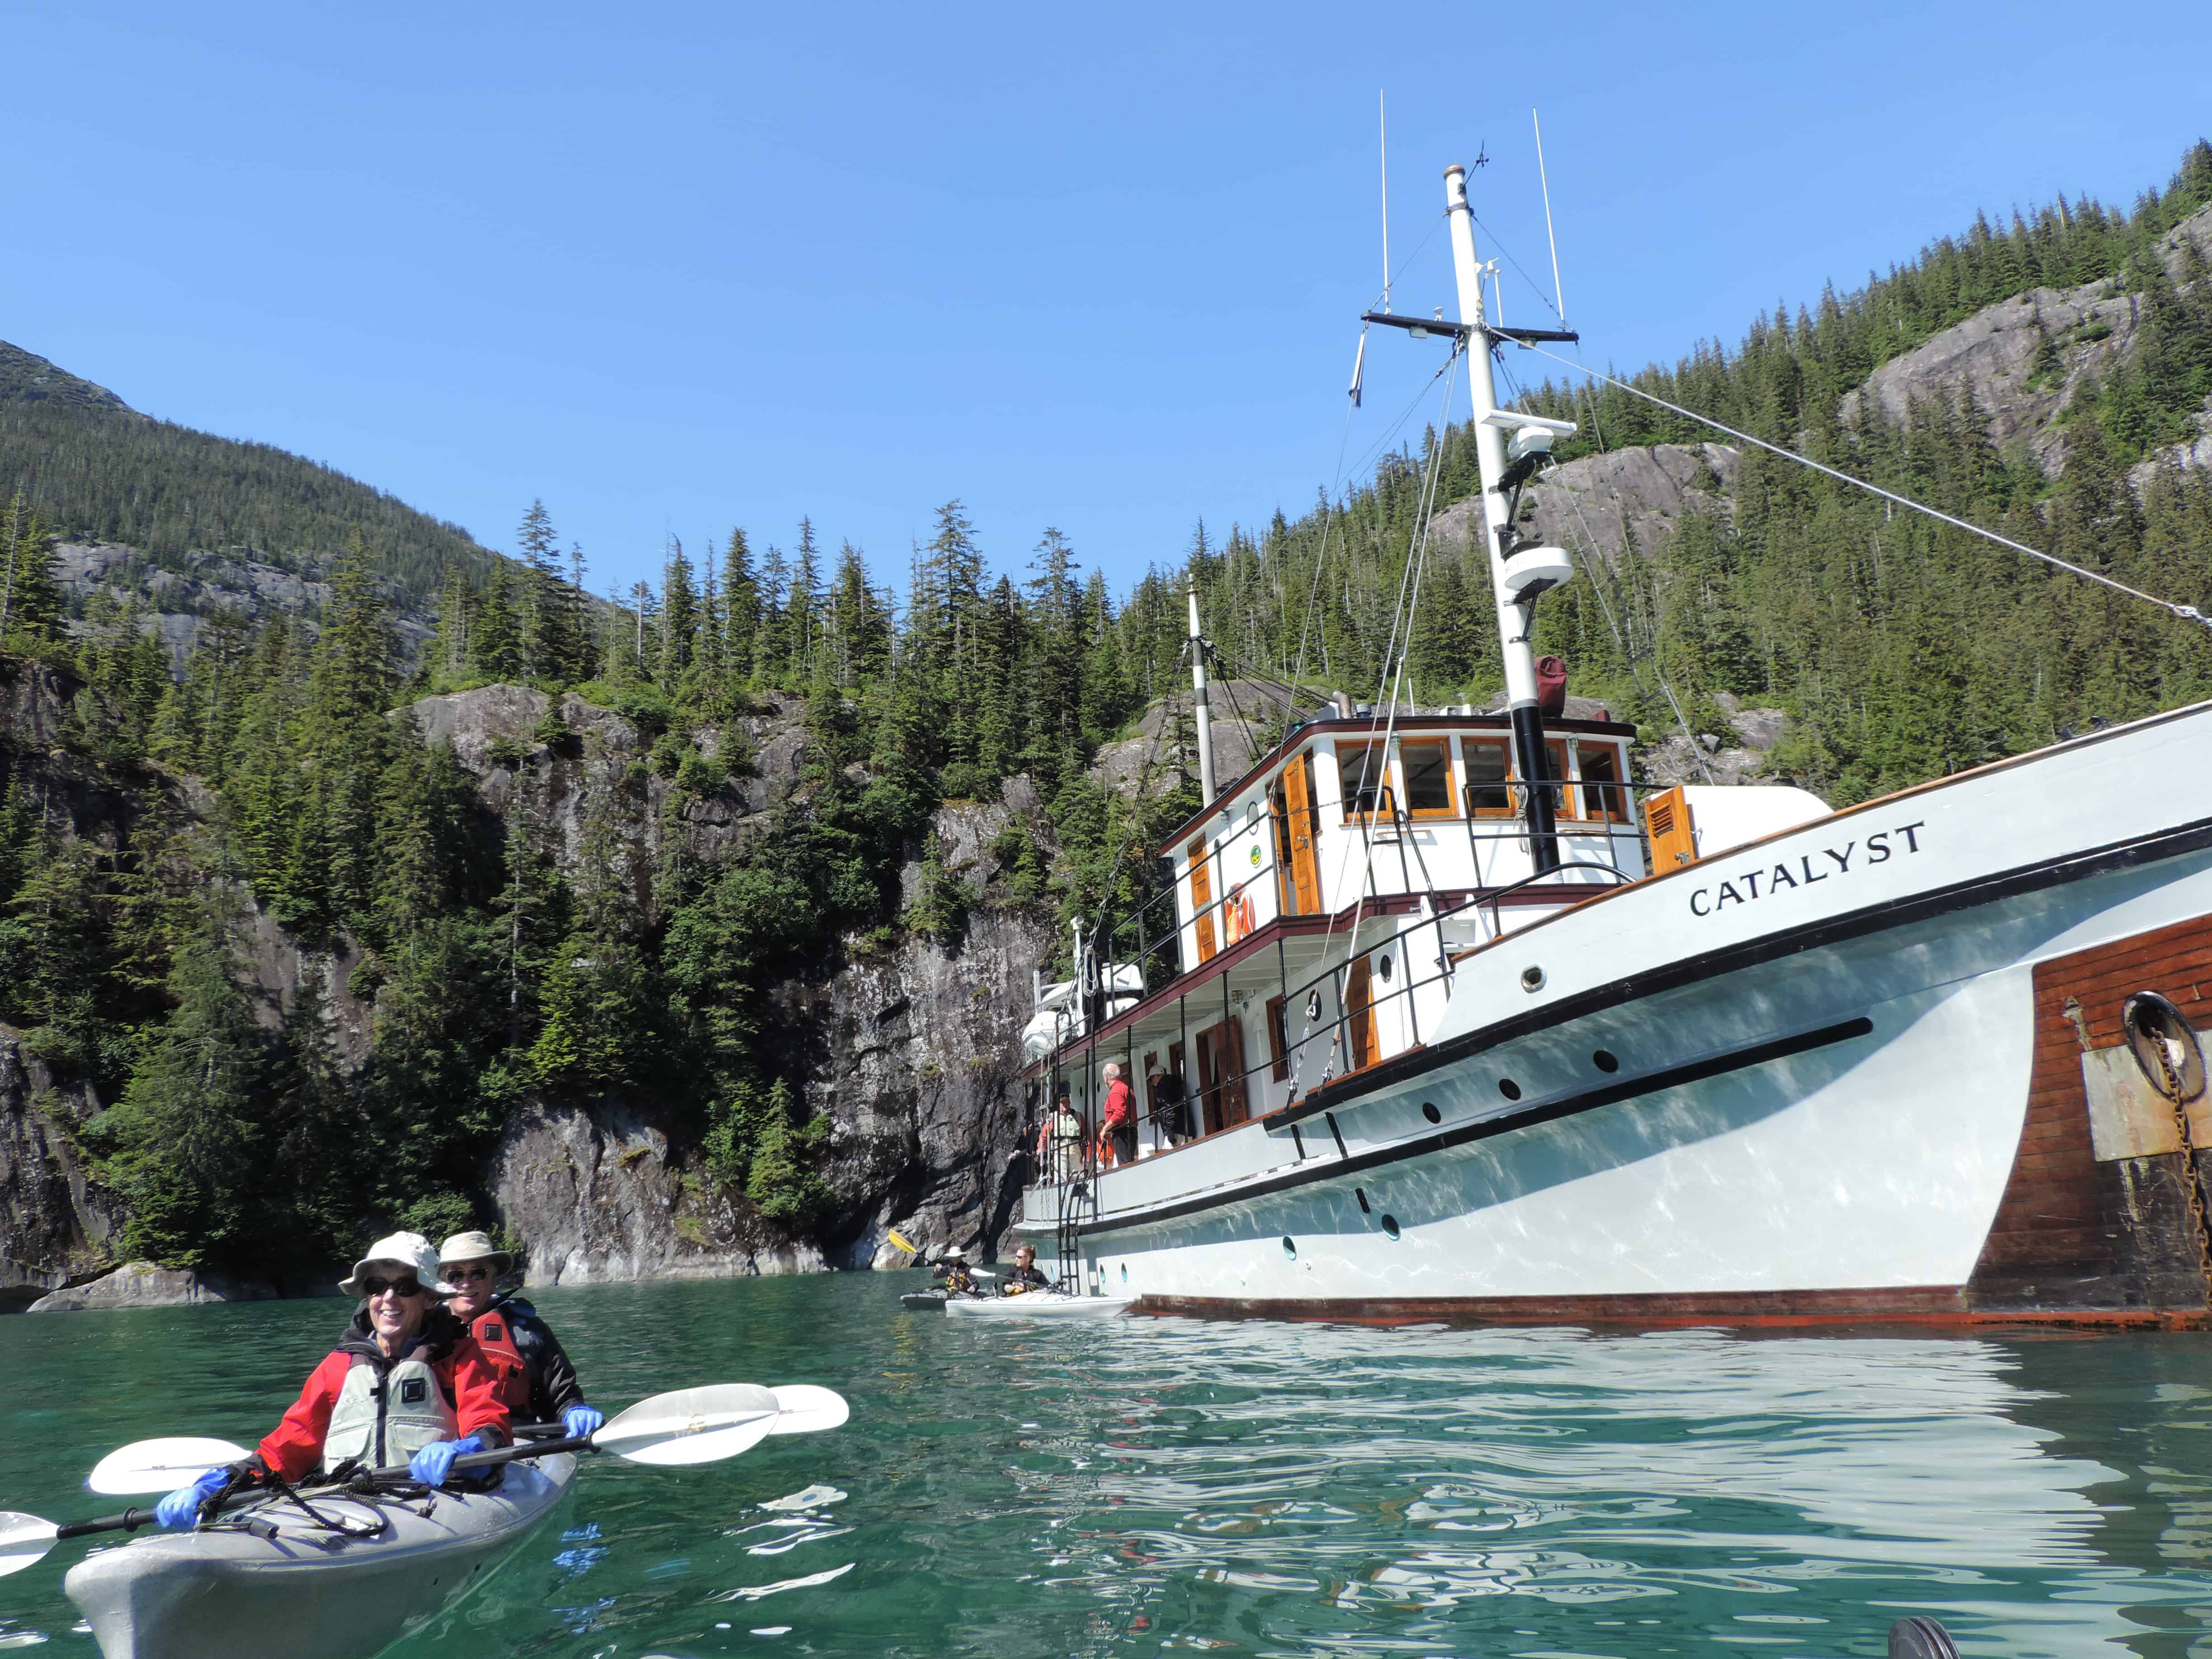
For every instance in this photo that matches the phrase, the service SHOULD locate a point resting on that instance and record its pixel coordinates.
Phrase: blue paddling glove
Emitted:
(579, 1420)
(435, 1460)
(181, 1508)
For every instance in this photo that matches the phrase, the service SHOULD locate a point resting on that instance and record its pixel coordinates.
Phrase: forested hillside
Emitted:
(92, 469)
(515, 941)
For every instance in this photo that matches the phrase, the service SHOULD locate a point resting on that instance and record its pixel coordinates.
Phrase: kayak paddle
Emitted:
(686, 1425)
(160, 1465)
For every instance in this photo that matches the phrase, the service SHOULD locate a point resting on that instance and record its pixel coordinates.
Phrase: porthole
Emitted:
(1290, 1249)
(1391, 1226)
(1532, 979)
(1125, 1273)
(1605, 1061)
(1509, 1088)
(1382, 967)
(1429, 1111)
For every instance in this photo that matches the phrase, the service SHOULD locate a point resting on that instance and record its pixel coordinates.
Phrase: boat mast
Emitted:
(1203, 714)
(1514, 619)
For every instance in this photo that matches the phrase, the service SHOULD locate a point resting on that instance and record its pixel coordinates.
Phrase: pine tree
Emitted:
(184, 1145)
(741, 603)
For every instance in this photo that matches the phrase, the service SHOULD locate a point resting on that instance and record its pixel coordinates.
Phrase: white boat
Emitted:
(225, 1592)
(1038, 1304)
(1456, 1048)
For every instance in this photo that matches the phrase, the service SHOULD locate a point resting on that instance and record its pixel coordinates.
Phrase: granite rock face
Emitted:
(58, 1222)
(1624, 499)
(1990, 357)
(142, 1285)
(174, 595)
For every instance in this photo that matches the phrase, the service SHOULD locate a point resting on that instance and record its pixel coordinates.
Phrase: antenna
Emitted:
(1560, 298)
(1382, 148)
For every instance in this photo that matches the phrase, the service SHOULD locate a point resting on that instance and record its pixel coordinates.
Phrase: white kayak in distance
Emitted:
(226, 1592)
(1038, 1304)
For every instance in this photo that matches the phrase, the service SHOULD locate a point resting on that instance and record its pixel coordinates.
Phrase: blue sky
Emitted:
(674, 268)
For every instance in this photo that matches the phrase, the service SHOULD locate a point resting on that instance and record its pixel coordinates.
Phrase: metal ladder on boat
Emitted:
(1078, 1202)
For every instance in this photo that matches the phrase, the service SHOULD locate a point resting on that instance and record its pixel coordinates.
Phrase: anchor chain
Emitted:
(2171, 1086)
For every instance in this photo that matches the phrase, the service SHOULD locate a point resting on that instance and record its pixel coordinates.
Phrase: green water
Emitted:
(1254, 1489)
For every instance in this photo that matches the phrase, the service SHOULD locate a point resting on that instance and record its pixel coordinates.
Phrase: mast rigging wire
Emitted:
(2173, 608)
(1394, 657)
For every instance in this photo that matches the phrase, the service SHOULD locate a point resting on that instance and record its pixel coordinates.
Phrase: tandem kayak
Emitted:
(226, 1592)
(1041, 1304)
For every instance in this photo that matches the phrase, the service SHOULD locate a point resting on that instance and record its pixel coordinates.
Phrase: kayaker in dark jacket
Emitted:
(958, 1280)
(1023, 1276)
(406, 1383)
(543, 1386)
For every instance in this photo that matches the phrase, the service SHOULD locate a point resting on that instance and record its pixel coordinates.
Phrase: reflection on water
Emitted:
(1260, 1489)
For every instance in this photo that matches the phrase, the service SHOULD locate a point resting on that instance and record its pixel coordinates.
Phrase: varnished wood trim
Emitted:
(1915, 1305)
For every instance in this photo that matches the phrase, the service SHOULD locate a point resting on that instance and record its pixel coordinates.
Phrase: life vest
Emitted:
(494, 1330)
(383, 1421)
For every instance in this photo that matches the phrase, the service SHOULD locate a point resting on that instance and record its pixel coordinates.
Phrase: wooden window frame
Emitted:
(1450, 809)
(1468, 784)
(1278, 1040)
(1608, 804)
(1386, 792)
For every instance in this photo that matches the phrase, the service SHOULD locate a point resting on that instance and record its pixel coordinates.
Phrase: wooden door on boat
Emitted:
(1359, 1021)
(1221, 1076)
(1201, 898)
(1291, 801)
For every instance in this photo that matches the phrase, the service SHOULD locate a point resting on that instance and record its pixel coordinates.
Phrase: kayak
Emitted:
(1042, 1305)
(923, 1302)
(224, 1592)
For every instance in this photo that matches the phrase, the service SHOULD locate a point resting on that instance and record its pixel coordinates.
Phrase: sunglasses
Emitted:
(376, 1286)
(462, 1275)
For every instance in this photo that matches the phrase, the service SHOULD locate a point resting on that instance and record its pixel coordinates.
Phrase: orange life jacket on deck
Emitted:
(495, 1336)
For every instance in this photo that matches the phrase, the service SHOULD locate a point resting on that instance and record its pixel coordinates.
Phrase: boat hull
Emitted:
(230, 1595)
(1828, 1113)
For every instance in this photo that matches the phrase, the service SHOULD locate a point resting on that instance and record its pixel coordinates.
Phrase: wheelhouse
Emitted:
(1315, 910)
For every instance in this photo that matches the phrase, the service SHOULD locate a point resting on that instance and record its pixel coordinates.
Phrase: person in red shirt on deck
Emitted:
(1118, 1122)
(408, 1384)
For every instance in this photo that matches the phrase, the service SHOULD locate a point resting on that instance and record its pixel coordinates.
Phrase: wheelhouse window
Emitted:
(1603, 797)
(1487, 770)
(1427, 768)
(1366, 771)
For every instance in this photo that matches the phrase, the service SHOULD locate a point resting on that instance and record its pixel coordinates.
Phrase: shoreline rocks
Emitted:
(143, 1285)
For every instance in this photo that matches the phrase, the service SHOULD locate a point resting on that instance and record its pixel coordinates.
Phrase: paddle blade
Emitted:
(691, 1425)
(899, 1239)
(24, 1539)
(806, 1409)
(162, 1465)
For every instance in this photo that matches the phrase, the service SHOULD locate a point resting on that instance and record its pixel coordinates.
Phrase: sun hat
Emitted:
(474, 1247)
(952, 1253)
(410, 1250)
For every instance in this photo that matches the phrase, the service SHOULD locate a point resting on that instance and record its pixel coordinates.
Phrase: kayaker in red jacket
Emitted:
(407, 1384)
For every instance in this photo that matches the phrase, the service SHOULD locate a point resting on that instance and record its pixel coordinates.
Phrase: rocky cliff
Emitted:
(911, 1052)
